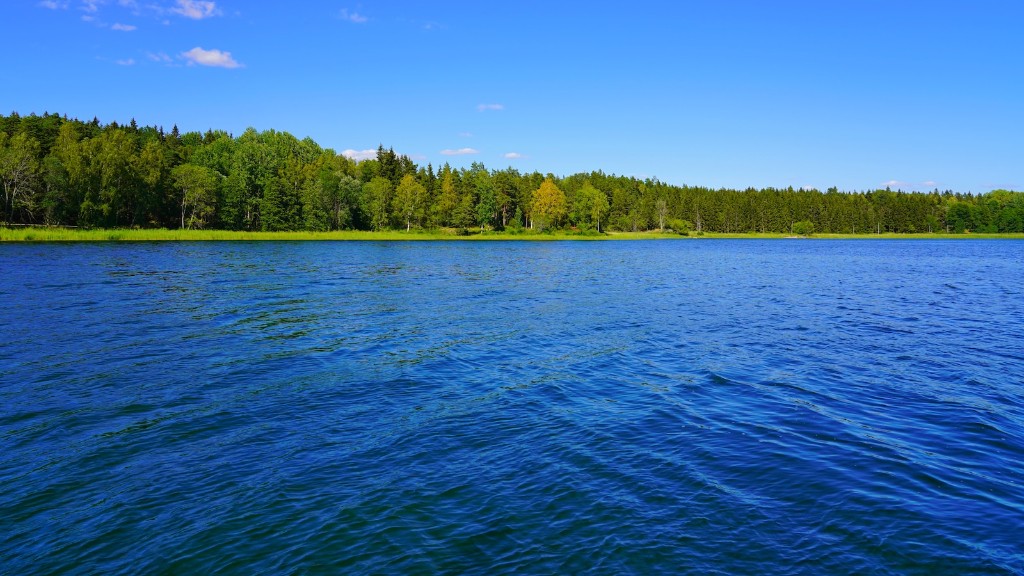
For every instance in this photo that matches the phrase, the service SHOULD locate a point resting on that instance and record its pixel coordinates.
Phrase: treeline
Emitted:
(60, 171)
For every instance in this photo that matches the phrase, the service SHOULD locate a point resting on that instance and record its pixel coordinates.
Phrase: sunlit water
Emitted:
(618, 407)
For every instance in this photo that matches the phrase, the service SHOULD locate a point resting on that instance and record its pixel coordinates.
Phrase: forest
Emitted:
(57, 171)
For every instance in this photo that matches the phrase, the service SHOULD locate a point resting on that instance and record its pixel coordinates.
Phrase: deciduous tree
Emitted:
(548, 206)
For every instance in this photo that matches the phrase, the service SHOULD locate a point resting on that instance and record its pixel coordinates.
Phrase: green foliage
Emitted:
(803, 228)
(549, 205)
(680, 226)
(68, 172)
(377, 202)
(197, 187)
(19, 174)
(590, 207)
(409, 201)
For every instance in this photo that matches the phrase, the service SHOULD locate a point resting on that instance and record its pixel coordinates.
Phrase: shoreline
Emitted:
(41, 234)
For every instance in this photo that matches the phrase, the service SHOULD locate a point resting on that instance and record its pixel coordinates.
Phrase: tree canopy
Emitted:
(60, 171)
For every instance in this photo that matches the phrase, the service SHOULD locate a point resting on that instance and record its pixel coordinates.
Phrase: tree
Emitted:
(377, 197)
(153, 169)
(548, 205)
(662, 207)
(591, 207)
(251, 167)
(115, 158)
(19, 171)
(486, 205)
(197, 186)
(281, 208)
(448, 200)
(409, 199)
(803, 228)
(346, 205)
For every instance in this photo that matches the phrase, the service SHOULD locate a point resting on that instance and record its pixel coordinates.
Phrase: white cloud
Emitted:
(460, 152)
(90, 5)
(902, 185)
(465, 134)
(196, 9)
(485, 107)
(53, 5)
(159, 57)
(358, 155)
(127, 62)
(214, 58)
(353, 17)
(513, 155)
(123, 27)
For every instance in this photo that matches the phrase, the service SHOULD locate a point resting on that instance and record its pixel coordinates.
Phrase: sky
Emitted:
(857, 94)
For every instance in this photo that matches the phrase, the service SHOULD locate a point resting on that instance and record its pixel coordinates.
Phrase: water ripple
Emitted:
(706, 407)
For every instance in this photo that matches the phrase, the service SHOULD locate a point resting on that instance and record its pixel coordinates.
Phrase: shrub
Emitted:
(803, 228)
(680, 226)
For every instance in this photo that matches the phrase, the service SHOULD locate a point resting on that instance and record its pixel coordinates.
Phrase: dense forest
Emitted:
(67, 172)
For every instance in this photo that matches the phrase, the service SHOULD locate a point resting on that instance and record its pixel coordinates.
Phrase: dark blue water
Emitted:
(727, 407)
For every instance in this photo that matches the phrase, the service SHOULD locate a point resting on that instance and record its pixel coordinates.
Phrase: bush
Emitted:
(680, 226)
(803, 228)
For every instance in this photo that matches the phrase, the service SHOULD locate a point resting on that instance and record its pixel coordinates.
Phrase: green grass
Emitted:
(29, 234)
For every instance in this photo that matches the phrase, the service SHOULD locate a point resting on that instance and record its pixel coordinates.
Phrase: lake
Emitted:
(712, 406)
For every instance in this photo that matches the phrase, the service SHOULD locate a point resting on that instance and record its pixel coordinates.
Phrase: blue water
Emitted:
(787, 407)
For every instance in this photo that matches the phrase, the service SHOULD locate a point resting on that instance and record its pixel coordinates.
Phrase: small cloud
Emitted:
(159, 57)
(358, 155)
(485, 107)
(895, 184)
(214, 58)
(53, 5)
(465, 134)
(87, 18)
(513, 156)
(91, 6)
(352, 17)
(459, 152)
(127, 62)
(930, 183)
(196, 9)
(123, 27)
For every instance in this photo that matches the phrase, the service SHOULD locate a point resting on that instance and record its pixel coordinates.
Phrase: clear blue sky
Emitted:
(733, 93)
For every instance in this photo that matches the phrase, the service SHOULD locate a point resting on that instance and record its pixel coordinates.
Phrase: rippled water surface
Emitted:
(614, 407)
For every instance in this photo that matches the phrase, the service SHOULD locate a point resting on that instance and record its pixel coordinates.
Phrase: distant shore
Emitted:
(41, 234)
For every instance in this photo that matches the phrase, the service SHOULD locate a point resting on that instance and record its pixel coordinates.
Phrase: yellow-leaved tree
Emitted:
(549, 206)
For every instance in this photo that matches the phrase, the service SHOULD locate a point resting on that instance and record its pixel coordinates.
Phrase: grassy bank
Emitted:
(29, 234)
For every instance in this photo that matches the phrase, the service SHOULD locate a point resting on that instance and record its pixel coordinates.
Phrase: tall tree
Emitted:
(197, 187)
(409, 197)
(19, 172)
(548, 205)
(590, 207)
(377, 197)
(448, 198)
